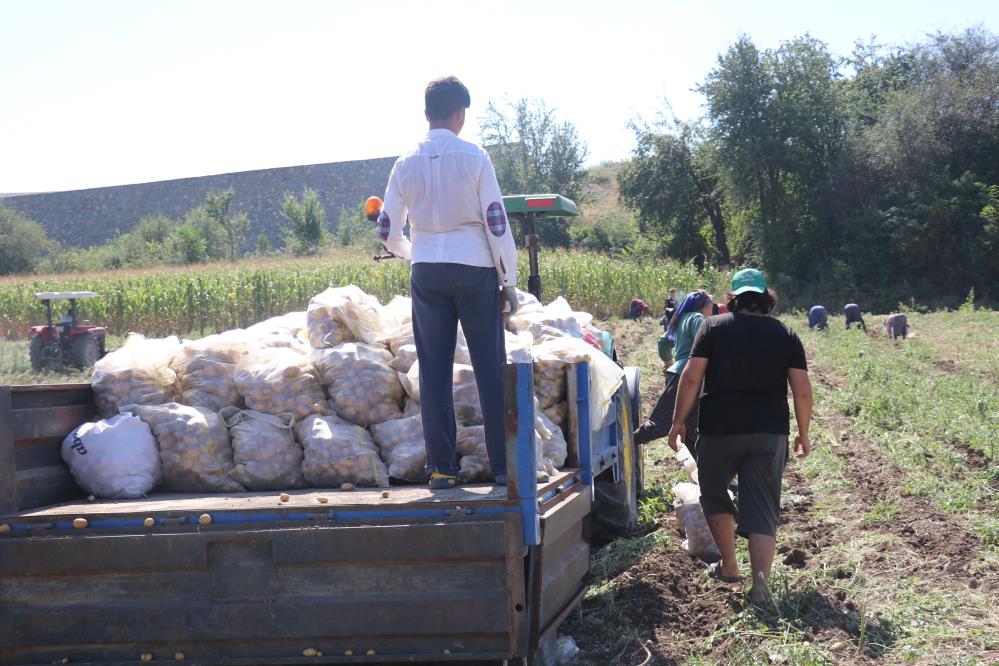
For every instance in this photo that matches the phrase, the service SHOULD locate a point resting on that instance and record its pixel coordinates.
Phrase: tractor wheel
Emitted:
(35, 352)
(615, 505)
(85, 350)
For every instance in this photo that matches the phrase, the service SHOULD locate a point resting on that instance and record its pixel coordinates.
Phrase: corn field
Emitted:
(210, 298)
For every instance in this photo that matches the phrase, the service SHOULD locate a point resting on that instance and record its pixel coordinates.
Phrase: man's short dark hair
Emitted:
(444, 96)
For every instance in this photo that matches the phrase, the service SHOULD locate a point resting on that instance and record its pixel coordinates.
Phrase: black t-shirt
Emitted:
(745, 386)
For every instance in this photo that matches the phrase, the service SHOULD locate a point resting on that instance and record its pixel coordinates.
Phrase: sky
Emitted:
(103, 93)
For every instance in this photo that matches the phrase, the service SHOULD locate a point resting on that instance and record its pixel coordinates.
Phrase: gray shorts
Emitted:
(759, 460)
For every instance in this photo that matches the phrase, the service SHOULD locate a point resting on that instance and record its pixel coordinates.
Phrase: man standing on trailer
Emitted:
(464, 270)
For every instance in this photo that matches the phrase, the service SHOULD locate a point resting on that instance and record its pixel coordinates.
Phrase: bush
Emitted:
(353, 229)
(308, 231)
(23, 242)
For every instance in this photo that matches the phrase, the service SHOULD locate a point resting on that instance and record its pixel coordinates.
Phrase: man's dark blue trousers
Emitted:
(444, 295)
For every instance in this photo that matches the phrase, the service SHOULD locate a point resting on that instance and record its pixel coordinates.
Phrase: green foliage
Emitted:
(23, 242)
(264, 246)
(203, 225)
(221, 297)
(308, 232)
(217, 207)
(533, 153)
(673, 185)
(874, 177)
(191, 244)
(354, 230)
(615, 232)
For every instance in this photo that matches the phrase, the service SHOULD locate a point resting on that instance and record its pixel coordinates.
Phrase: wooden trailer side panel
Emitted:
(432, 591)
(33, 422)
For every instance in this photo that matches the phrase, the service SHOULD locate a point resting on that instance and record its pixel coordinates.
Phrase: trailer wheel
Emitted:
(615, 505)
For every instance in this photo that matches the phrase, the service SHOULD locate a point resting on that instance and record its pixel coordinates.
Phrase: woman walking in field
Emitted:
(681, 330)
(746, 359)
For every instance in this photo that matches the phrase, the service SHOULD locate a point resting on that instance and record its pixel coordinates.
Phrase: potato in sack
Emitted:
(138, 373)
(195, 449)
(401, 444)
(279, 380)
(549, 381)
(474, 459)
(337, 452)
(265, 452)
(467, 408)
(344, 314)
(205, 368)
(363, 387)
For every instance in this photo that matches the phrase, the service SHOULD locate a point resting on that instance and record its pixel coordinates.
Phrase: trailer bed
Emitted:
(298, 500)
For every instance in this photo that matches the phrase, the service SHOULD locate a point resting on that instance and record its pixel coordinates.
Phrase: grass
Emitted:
(927, 405)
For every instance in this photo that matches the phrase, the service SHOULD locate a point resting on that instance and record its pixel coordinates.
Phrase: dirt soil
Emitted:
(667, 600)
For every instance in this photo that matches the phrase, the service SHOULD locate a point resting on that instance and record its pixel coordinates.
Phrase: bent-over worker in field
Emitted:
(746, 359)
(897, 325)
(682, 329)
(818, 317)
(852, 313)
(464, 270)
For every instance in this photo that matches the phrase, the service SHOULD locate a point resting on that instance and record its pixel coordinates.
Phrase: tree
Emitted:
(191, 245)
(23, 242)
(354, 229)
(308, 232)
(533, 152)
(675, 189)
(776, 122)
(215, 237)
(235, 225)
(263, 245)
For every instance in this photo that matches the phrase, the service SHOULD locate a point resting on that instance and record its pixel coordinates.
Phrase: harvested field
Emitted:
(888, 549)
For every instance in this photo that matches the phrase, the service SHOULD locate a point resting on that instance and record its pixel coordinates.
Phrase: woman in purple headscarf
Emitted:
(681, 330)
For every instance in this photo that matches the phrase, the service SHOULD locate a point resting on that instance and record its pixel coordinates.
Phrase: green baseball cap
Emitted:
(748, 279)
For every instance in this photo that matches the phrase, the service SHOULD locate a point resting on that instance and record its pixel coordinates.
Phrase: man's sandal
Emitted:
(714, 571)
(440, 481)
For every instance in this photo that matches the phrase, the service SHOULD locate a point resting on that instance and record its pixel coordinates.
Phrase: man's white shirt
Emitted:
(447, 188)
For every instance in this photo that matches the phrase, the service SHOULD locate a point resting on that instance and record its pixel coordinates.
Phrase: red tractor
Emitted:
(67, 342)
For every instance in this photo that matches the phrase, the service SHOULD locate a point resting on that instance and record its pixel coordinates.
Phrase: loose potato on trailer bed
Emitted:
(474, 572)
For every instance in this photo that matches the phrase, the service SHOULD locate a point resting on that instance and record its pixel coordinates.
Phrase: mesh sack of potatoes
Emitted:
(265, 452)
(552, 320)
(474, 459)
(337, 452)
(549, 381)
(278, 380)
(399, 310)
(205, 369)
(467, 409)
(518, 347)
(195, 448)
(605, 376)
(410, 408)
(554, 448)
(343, 314)
(138, 373)
(558, 413)
(363, 387)
(404, 358)
(401, 444)
(286, 330)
